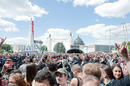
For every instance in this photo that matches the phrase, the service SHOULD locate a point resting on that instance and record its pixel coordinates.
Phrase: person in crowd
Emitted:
(3, 59)
(91, 80)
(12, 73)
(107, 76)
(122, 82)
(85, 59)
(62, 77)
(22, 68)
(16, 59)
(1, 80)
(91, 69)
(7, 67)
(9, 62)
(115, 59)
(6, 70)
(34, 60)
(117, 72)
(77, 72)
(126, 80)
(31, 71)
(44, 78)
(125, 70)
(41, 62)
(15, 71)
(96, 58)
(128, 66)
(123, 50)
(17, 78)
(52, 66)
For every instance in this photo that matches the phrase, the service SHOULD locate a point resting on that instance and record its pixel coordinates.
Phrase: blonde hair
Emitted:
(92, 69)
(77, 68)
(91, 78)
(19, 79)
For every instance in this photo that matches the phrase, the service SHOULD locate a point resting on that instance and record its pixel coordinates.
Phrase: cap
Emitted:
(62, 70)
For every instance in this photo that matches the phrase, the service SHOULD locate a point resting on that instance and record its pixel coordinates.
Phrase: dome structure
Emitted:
(78, 41)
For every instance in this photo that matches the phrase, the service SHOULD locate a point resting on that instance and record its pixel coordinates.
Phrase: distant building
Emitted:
(78, 46)
(18, 47)
(32, 46)
(69, 43)
(53, 41)
(100, 48)
(78, 43)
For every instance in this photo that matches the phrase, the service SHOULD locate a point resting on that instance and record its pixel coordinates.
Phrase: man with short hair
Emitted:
(43, 78)
(6, 69)
(91, 69)
(91, 80)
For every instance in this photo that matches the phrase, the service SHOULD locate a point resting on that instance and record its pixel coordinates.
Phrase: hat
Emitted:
(62, 70)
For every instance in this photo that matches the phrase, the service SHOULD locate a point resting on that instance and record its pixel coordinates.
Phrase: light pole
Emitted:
(110, 41)
(125, 31)
(109, 37)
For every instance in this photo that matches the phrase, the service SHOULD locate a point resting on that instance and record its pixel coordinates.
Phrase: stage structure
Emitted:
(52, 42)
(33, 46)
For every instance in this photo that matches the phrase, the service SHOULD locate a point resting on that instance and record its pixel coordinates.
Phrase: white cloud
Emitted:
(94, 30)
(65, 1)
(105, 8)
(56, 33)
(101, 31)
(7, 26)
(88, 2)
(119, 8)
(84, 2)
(108, 42)
(16, 40)
(20, 9)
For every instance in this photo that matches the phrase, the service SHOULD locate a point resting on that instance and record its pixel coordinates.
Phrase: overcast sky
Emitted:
(95, 21)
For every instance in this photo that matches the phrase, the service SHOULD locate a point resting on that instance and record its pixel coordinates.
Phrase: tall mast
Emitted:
(31, 34)
(32, 28)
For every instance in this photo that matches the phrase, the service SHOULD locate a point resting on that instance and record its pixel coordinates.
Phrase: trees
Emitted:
(6, 48)
(129, 46)
(59, 48)
(43, 48)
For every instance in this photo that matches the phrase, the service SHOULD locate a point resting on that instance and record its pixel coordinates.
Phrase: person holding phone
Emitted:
(6, 69)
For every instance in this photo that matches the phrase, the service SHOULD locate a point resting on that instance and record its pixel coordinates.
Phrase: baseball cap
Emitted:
(62, 70)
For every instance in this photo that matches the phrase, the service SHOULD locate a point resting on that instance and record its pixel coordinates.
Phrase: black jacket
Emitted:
(122, 82)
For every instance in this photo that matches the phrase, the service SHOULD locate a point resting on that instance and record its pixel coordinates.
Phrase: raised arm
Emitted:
(1, 42)
(123, 49)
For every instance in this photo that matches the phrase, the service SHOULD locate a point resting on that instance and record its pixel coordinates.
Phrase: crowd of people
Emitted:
(87, 69)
